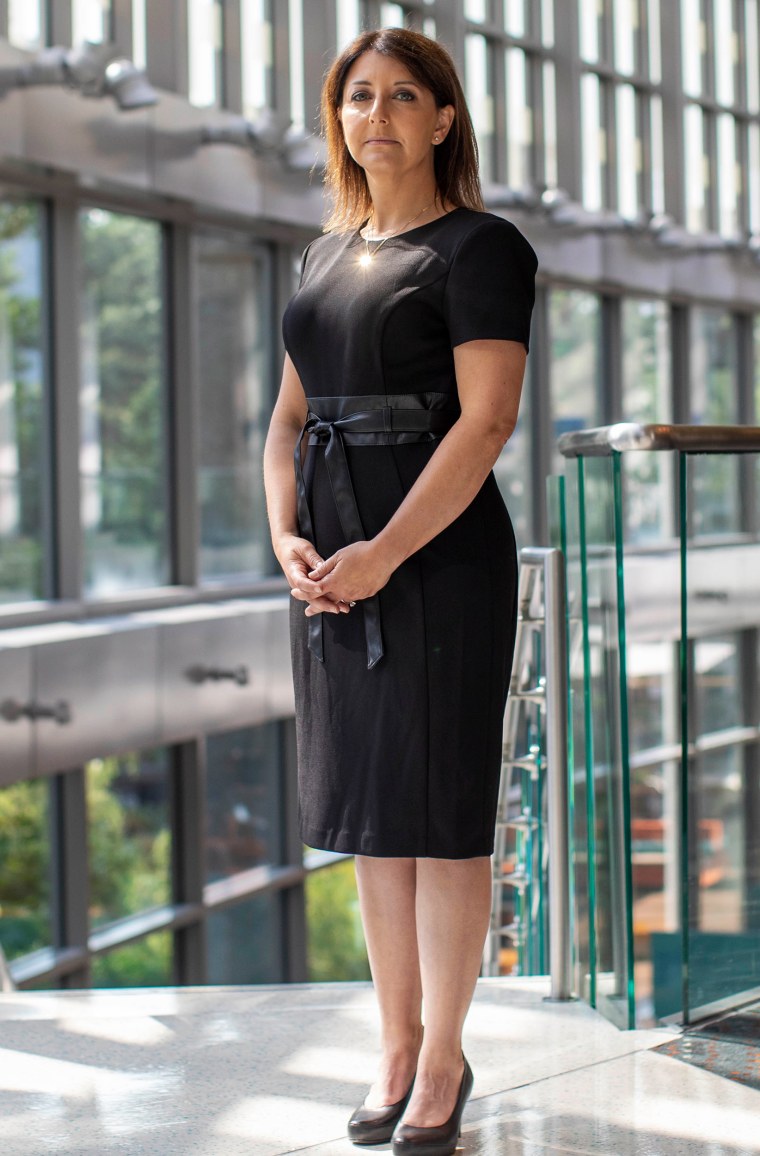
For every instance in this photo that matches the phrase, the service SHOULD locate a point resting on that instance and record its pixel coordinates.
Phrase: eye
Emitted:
(405, 94)
(360, 94)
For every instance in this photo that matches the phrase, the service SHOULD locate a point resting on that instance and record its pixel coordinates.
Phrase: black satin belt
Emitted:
(370, 420)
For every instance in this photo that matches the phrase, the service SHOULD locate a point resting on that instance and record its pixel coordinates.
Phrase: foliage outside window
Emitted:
(335, 944)
(22, 404)
(123, 450)
(24, 868)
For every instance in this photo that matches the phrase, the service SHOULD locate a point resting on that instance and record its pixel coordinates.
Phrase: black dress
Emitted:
(400, 755)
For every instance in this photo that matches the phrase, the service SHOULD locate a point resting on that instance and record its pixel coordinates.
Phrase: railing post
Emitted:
(555, 602)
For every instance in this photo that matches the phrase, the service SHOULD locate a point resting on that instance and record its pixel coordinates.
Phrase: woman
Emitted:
(406, 348)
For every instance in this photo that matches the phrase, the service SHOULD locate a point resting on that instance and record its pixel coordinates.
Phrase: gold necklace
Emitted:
(367, 257)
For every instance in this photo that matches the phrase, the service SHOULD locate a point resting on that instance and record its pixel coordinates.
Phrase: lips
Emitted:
(381, 140)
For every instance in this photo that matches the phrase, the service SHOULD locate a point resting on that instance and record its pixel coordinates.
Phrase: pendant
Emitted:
(365, 260)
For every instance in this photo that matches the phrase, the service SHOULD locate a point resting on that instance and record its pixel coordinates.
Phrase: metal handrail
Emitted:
(603, 441)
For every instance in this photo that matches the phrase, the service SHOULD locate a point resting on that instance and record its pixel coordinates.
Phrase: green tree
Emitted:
(336, 949)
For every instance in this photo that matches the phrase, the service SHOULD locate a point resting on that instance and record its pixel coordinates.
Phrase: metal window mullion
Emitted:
(608, 90)
(230, 69)
(741, 131)
(568, 87)
(644, 177)
(710, 150)
(610, 382)
(281, 56)
(451, 29)
(69, 860)
(708, 56)
(535, 61)
(183, 403)
(121, 26)
(60, 23)
(746, 415)
(541, 429)
(607, 36)
(167, 39)
(750, 648)
(187, 803)
(673, 103)
(319, 38)
(293, 899)
(4, 19)
(66, 289)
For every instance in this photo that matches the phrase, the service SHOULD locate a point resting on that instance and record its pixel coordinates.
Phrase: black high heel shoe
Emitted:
(440, 1140)
(376, 1125)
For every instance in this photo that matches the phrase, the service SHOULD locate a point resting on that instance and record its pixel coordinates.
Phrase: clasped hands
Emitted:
(330, 585)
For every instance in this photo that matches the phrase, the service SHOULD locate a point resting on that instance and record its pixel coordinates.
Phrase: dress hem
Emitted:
(345, 844)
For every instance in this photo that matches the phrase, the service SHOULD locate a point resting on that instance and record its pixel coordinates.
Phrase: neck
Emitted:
(394, 204)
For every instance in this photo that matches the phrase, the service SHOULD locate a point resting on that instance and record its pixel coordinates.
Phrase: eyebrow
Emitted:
(405, 82)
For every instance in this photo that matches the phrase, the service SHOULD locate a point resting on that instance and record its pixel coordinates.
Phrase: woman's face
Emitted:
(389, 119)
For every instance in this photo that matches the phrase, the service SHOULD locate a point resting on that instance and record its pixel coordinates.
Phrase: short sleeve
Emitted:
(491, 289)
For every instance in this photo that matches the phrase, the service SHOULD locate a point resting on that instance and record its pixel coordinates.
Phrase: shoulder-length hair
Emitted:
(455, 159)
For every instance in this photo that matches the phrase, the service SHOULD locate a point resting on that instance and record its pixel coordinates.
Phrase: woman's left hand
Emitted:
(349, 575)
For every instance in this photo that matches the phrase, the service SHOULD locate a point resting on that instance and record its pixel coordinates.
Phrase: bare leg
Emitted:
(387, 900)
(453, 911)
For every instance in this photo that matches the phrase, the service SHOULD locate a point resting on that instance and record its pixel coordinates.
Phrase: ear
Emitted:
(445, 120)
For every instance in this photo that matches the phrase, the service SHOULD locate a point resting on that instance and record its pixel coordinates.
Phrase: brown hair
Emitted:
(455, 159)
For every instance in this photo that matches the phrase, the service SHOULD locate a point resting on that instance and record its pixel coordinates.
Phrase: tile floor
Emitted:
(275, 1070)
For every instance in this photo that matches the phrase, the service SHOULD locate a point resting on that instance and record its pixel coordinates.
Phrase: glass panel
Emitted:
(478, 82)
(90, 20)
(23, 404)
(243, 808)
(696, 170)
(550, 125)
(628, 151)
(245, 942)
(25, 923)
(514, 17)
(519, 120)
(728, 206)
(692, 46)
(718, 699)
(625, 30)
(589, 21)
(574, 350)
(752, 55)
(657, 159)
(646, 367)
(335, 939)
(123, 447)
(513, 471)
(349, 21)
(296, 64)
(753, 178)
(714, 394)
(726, 50)
(139, 33)
(391, 16)
(256, 45)
(476, 10)
(146, 963)
(234, 301)
(205, 46)
(655, 46)
(547, 23)
(129, 834)
(592, 141)
(26, 24)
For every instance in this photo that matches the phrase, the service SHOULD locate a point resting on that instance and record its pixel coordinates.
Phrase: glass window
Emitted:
(256, 45)
(245, 942)
(26, 24)
(205, 44)
(714, 396)
(145, 963)
(657, 159)
(696, 169)
(348, 20)
(693, 38)
(243, 809)
(139, 33)
(335, 943)
(90, 20)
(129, 834)
(235, 351)
(25, 923)
(646, 399)
(590, 14)
(123, 423)
(513, 469)
(391, 16)
(718, 686)
(753, 181)
(574, 322)
(550, 124)
(296, 64)
(728, 201)
(593, 142)
(476, 10)
(625, 30)
(654, 41)
(519, 119)
(726, 50)
(478, 91)
(724, 893)
(514, 17)
(628, 151)
(752, 54)
(22, 403)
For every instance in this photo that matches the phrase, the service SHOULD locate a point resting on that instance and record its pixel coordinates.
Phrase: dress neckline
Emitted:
(407, 232)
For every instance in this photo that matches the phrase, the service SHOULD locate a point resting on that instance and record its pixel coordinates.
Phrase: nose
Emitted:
(377, 112)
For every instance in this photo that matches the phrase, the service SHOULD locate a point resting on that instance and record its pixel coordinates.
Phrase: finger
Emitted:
(322, 568)
(321, 605)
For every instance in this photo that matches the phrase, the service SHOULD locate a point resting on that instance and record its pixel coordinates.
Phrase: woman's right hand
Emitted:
(298, 558)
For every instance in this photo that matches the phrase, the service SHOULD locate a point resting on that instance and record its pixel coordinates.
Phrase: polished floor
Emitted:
(269, 1071)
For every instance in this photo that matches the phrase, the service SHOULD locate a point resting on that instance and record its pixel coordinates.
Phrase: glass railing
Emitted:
(664, 669)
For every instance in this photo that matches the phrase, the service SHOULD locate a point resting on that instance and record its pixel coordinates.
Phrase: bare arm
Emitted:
(489, 380)
(295, 554)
